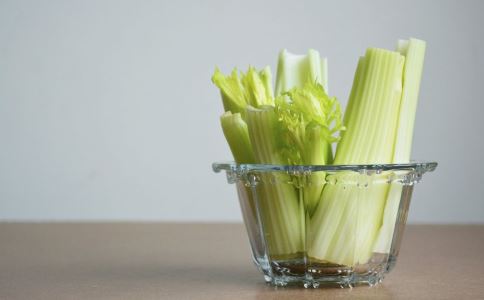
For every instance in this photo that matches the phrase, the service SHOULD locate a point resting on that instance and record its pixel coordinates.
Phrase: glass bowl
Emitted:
(336, 225)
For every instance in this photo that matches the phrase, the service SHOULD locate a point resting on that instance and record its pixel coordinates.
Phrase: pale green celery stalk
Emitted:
(237, 135)
(312, 106)
(345, 225)
(258, 87)
(296, 70)
(414, 52)
(310, 118)
(279, 205)
(316, 153)
(240, 89)
(232, 91)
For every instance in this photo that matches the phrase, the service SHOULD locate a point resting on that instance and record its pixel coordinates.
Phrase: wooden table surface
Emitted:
(211, 261)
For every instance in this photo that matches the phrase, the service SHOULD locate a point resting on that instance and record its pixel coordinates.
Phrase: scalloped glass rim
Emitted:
(418, 166)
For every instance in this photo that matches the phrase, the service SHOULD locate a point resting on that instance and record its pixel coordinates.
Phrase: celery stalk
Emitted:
(414, 59)
(238, 90)
(258, 87)
(232, 91)
(237, 135)
(278, 201)
(309, 118)
(293, 72)
(414, 51)
(318, 153)
(296, 70)
(370, 136)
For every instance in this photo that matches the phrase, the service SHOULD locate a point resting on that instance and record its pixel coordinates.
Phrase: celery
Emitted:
(232, 91)
(414, 51)
(250, 127)
(298, 129)
(237, 135)
(296, 70)
(309, 121)
(296, 76)
(281, 213)
(369, 138)
(239, 90)
(349, 216)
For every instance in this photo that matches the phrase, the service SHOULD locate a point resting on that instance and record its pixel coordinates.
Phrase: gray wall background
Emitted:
(107, 110)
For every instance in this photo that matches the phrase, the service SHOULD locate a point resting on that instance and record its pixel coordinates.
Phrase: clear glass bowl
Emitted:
(314, 225)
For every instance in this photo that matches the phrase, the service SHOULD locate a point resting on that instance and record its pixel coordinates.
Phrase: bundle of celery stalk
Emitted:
(297, 125)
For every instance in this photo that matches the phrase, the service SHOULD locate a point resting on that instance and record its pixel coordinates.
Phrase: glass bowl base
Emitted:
(320, 275)
(322, 282)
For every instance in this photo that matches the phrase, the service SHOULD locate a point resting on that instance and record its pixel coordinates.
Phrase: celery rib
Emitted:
(361, 212)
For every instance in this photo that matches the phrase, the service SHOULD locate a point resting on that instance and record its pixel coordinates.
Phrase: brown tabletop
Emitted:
(211, 261)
